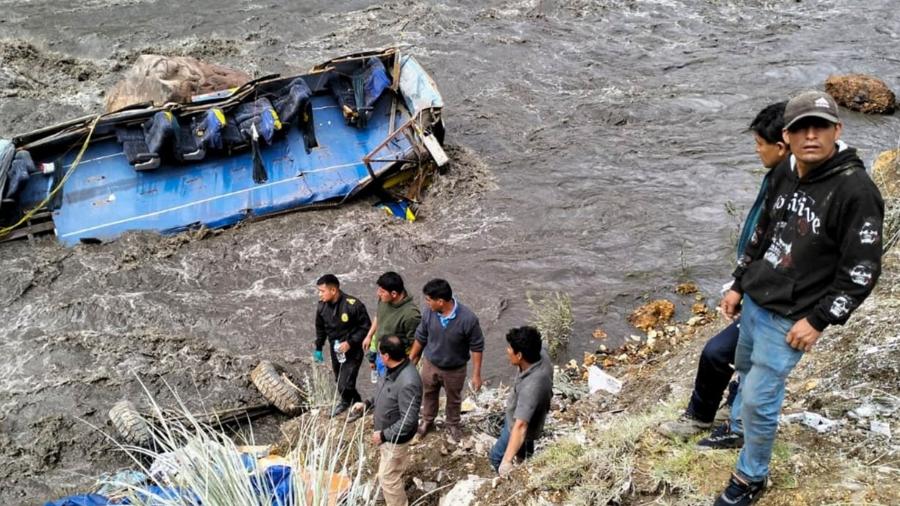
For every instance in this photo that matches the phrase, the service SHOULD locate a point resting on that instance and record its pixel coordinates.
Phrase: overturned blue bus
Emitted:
(274, 145)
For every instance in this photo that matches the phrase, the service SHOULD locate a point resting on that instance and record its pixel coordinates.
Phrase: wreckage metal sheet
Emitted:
(105, 196)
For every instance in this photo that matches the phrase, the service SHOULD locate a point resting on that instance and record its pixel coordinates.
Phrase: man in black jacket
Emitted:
(343, 321)
(397, 401)
(813, 258)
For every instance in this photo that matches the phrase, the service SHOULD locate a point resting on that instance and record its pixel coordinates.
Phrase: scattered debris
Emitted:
(881, 428)
(686, 288)
(813, 420)
(600, 334)
(699, 308)
(696, 320)
(859, 92)
(162, 79)
(464, 492)
(599, 380)
(652, 314)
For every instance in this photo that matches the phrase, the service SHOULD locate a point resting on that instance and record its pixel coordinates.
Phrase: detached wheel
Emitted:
(131, 424)
(272, 382)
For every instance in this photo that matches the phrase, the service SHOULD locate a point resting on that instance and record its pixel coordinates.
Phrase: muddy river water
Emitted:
(599, 149)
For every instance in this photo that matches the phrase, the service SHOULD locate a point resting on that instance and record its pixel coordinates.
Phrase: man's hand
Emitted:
(505, 468)
(343, 347)
(476, 382)
(318, 357)
(802, 336)
(376, 437)
(366, 342)
(729, 304)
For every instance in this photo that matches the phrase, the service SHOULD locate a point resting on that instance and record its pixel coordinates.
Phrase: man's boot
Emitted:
(340, 408)
(424, 428)
(684, 427)
(455, 433)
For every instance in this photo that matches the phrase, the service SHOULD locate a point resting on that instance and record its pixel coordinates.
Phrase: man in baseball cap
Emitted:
(821, 223)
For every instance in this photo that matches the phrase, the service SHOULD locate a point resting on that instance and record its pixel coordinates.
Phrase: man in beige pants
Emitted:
(397, 401)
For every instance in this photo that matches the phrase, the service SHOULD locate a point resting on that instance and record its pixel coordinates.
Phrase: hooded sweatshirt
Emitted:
(816, 251)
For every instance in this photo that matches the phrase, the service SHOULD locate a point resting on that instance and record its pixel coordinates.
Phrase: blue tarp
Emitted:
(276, 486)
(154, 494)
(81, 500)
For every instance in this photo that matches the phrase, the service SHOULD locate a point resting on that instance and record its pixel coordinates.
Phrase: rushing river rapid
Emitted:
(599, 149)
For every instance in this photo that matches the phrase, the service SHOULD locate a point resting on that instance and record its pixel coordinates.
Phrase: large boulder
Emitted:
(162, 79)
(861, 93)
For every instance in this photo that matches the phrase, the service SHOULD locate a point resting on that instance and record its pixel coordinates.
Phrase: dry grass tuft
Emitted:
(552, 315)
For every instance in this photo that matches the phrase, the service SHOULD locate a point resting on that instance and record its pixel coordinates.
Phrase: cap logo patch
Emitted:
(822, 102)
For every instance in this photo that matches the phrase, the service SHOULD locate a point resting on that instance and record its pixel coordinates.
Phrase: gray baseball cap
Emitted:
(814, 103)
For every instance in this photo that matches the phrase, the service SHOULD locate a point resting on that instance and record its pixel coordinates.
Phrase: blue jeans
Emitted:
(499, 449)
(763, 359)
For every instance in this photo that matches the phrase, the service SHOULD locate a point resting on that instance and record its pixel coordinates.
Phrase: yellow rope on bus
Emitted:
(6, 230)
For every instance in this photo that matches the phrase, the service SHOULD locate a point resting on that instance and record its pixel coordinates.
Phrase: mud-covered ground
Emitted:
(597, 148)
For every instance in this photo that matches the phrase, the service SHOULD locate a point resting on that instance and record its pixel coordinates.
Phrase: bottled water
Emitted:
(373, 376)
(341, 357)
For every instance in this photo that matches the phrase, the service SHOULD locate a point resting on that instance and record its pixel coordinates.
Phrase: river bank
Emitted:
(599, 149)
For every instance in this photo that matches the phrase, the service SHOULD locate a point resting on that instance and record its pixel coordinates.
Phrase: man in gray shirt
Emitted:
(397, 401)
(528, 402)
(448, 333)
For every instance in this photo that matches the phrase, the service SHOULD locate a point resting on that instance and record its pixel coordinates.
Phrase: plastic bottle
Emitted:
(341, 357)
(373, 376)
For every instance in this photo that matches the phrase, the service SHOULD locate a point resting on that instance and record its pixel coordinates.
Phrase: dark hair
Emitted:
(393, 346)
(769, 123)
(328, 279)
(527, 341)
(438, 289)
(391, 281)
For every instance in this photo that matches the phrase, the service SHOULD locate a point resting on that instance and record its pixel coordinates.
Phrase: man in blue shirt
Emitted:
(448, 334)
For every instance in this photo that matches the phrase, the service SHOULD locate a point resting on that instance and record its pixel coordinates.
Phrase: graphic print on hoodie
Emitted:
(816, 251)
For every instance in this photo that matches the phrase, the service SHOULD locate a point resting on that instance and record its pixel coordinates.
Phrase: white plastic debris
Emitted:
(864, 411)
(464, 492)
(599, 380)
(813, 420)
(882, 428)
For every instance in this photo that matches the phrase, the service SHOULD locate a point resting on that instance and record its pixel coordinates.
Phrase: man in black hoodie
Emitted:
(814, 257)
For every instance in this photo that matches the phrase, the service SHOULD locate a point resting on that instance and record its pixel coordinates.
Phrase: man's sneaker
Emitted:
(740, 492)
(455, 433)
(684, 427)
(723, 414)
(721, 439)
(340, 408)
(424, 428)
